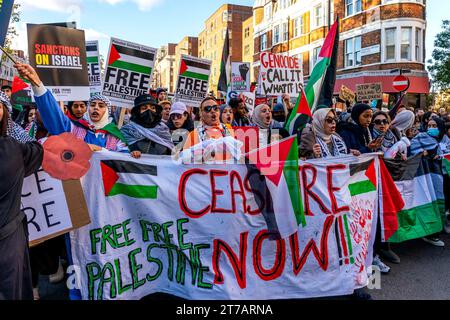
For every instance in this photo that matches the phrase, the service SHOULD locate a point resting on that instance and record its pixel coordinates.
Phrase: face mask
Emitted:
(434, 132)
(149, 119)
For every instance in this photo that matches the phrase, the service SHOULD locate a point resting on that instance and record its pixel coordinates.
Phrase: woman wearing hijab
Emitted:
(18, 160)
(98, 132)
(146, 133)
(269, 130)
(320, 140)
(226, 115)
(381, 126)
(356, 133)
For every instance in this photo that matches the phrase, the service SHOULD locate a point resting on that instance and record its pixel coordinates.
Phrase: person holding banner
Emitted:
(98, 132)
(356, 133)
(226, 115)
(321, 140)
(17, 162)
(269, 130)
(146, 133)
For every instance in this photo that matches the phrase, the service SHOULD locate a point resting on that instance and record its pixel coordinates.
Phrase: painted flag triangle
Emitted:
(113, 55)
(18, 85)
(183, 67)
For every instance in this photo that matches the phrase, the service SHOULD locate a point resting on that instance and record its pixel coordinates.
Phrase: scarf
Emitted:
(104, 121)
(160, 134)
(203, 131)
(403, 121)
(5, 100)
(389, 139)
(338, 147)
(318, 124)
(18, 133)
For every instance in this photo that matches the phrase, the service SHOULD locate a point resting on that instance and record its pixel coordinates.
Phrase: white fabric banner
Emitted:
(197, 232)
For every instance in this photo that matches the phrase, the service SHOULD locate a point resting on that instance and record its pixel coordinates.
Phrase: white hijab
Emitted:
(318, 124)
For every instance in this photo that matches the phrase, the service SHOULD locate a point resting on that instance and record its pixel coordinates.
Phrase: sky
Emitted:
(154, 22)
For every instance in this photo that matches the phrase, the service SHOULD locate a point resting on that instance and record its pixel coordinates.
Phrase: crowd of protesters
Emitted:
(155, 126)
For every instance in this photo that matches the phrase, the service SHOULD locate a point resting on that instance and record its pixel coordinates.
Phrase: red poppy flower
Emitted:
(66, 157)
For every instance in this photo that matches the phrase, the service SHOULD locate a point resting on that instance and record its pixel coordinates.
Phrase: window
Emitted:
(247, 32)
(285, 32)
(353, 52)
(226, 16)
(406, 43)
(276, 34)
(268, 11)
(264, 42)
(247, 50)
(390, 43)
(418, 44)
(315, 56)
(352, 7)
(318, 16)
(298, 27)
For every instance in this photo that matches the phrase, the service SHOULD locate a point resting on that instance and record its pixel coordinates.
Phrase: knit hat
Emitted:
(278, 107)
(358, 110)
(5, 100)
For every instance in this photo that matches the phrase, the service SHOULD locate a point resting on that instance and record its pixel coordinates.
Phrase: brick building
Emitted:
(376, 38)
(164, 73)
(187, 46)
(212, 38)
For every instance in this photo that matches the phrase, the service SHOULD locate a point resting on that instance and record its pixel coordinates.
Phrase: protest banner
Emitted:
(193, 80)
(346, 94)
(249, 99)
(369, 92)
(201, 231)
(240, 76)
(59, 56)
(93, 60)
(52, 207)
(129, 72)
(6, 7)
(280, 74)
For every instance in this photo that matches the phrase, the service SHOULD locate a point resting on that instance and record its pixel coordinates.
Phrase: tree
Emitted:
(439, 66)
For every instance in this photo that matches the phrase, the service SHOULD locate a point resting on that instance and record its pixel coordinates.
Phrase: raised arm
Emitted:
(52, 116)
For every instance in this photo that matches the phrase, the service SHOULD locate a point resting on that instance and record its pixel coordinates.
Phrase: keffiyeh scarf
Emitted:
(160, 134)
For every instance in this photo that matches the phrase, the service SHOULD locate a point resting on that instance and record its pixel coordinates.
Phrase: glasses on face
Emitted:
(176, 116)
(380, 122)
(208, 109)
(331, 120)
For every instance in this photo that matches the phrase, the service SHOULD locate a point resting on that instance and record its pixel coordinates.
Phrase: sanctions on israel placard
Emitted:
(207, 231)
(59, 56)
(193, 80)
(280, 74)
(128, 72)
(93, 60)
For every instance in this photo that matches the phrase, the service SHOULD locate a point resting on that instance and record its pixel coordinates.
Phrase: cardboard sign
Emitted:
(59, 56)
(280, 74)
(128, 73)
(240, 76)
(52, 207)
(346, 94)
(249, 99)
(369, 91)
(93, 60)
(193, 80)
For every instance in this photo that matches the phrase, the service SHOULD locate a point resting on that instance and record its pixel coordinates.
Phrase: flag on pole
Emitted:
(308, 99)
(225, 66)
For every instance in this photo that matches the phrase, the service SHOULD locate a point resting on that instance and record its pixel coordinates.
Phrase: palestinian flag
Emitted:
(274, 174)
(447, 164)
(316, 80)
(130, 59)
(363, 178)
(421, 185)
(20, 93)
(128, 179)
(194, 69)
(300, 115)
(92, 52)
(225, 66)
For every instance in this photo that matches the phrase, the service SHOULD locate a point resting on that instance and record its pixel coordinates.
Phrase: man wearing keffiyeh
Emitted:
(98, 132)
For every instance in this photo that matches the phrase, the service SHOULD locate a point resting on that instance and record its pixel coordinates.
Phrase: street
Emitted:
(424, 274)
